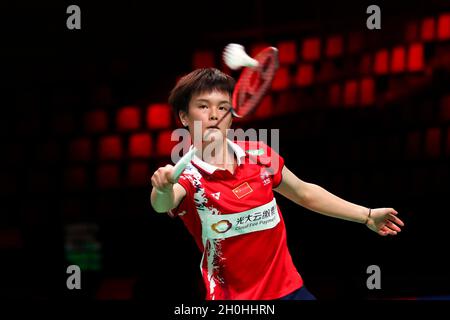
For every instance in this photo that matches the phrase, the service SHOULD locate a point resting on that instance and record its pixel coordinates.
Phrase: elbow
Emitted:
(305, 194)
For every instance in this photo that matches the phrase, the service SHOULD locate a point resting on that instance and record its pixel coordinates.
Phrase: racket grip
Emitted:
(181, 165)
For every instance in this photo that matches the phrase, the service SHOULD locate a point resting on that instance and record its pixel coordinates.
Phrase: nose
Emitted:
(213, 114)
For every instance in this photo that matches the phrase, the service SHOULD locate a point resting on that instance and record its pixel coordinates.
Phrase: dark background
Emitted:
(391, 151)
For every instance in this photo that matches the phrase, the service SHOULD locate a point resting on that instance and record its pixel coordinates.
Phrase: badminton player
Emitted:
(226, 199)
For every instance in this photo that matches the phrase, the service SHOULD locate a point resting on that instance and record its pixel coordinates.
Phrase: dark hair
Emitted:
(199, 81)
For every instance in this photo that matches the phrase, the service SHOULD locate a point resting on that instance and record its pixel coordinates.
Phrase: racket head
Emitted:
(254, 82)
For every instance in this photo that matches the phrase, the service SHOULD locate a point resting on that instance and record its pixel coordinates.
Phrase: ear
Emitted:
(183, 117)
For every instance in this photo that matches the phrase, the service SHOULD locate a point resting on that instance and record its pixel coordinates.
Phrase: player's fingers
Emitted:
(392, 226)
(393, 211)
(390, 231)
(396, 220)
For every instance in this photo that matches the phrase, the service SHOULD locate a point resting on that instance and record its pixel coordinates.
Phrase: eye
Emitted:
(224, 108)
(203, 106)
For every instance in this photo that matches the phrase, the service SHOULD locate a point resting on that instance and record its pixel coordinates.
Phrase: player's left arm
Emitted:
(317, 199)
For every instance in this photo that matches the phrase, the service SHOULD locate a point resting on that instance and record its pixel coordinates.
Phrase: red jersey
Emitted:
(238, 226)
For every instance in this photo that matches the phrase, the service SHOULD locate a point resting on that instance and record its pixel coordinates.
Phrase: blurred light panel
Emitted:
(287, 51)
(415, 57)
(140, 145)
(110, 148)
(443, 32)
(398, 61)
(304, 75)
(80, 149)
(159, 116)
(138, 174)
(367, 91)
(281, 80)
(365, 66)
(428, 29)
(265, 108)
(381, 62)
(164, 144)
(96, 121)
(311, 49)
(335, 95)
(350, 92)
(128, 118)
(334, 46)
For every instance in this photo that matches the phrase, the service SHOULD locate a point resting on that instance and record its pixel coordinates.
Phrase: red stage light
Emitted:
(415, 57)
(96, 121)
(159, 116)
(428, 29)
(128, 118)
(381, 62)
(351, 88)
(164, 144)
(138, 174)
(335, 95)
(311, 49)
(334, 46)
(443, 32)
(305, 74)
(281, 80)
(110, 147)
(140, 145)
(367, 91)
(287, 51)
(398, 59)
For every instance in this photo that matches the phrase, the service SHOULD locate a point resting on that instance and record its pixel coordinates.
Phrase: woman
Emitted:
(225, 199)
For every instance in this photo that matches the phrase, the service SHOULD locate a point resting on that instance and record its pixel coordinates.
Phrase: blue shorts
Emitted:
(300, 294)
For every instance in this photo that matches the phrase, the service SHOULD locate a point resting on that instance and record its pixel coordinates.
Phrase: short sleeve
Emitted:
(274, 164)
(267, 157)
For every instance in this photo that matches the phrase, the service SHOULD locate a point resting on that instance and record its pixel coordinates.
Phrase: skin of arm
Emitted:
(163, 201)
(317, 199)
(165, 194)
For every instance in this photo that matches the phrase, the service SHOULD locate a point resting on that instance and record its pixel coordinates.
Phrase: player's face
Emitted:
(209, 108)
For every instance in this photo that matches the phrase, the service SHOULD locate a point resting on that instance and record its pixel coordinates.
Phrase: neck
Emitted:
(218, 154)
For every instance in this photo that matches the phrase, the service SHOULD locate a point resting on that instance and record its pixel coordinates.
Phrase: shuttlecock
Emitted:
(235, 57)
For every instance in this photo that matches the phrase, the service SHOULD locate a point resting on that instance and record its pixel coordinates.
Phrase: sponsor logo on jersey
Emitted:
(222, 226)
(256, 152)
(234, 224)
(216, 195)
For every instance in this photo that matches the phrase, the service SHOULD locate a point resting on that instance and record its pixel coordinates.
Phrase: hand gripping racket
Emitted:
(251, 87)
(182, 163)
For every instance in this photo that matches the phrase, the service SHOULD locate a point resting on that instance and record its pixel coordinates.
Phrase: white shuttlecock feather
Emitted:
(235, 57)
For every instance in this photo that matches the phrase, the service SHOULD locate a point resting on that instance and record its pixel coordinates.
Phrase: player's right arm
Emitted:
(165, 194)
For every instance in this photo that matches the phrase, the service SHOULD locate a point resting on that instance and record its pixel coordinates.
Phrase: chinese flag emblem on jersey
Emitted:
(242, 190)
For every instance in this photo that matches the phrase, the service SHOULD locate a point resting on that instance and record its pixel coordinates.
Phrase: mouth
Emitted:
(213, 127)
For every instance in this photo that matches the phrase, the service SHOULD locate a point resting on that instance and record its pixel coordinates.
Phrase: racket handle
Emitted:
(181, 165)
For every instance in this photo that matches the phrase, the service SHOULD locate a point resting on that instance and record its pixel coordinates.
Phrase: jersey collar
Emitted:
(209, 168)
